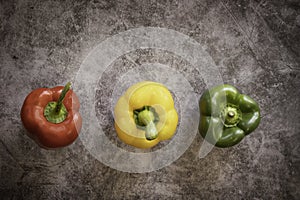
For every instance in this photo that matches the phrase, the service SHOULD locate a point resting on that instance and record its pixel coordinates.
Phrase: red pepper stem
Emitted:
(61, 97)
(56, 112)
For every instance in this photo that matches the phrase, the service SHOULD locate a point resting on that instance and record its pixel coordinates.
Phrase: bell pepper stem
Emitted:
(230, 115)
(62, 96)
(151, 131)
(56, 112)
(147, 118)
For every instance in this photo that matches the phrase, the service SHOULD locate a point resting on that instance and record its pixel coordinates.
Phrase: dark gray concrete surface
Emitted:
(255, 44)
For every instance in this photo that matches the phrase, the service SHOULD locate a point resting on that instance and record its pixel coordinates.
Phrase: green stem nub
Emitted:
(231, 115)
(145, 119)
(56, 112)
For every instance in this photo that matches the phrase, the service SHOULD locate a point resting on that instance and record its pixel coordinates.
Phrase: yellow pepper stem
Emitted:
(146, 117)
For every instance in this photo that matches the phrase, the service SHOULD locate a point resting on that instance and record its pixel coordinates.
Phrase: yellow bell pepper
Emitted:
(145, 115)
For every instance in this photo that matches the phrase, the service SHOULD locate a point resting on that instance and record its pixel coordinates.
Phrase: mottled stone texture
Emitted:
(255, 44)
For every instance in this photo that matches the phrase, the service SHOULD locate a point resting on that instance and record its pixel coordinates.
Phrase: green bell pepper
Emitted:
(226, 116)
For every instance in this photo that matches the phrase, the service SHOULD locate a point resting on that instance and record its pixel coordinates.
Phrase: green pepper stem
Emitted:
(61, 97)
(231, 115)
(56, 112)
(146, 117)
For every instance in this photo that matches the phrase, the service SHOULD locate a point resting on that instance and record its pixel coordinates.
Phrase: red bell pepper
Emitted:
(51, 116)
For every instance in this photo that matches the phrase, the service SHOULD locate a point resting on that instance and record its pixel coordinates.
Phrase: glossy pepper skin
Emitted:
(145, 115)
(47, 134)
(226, 116)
